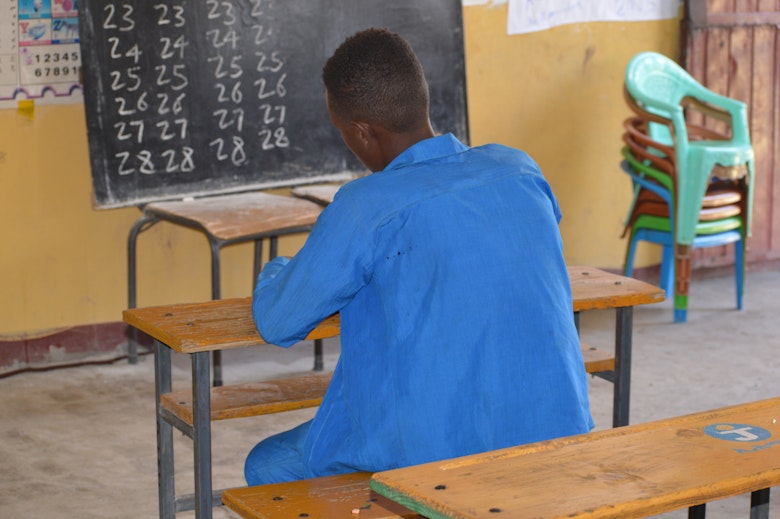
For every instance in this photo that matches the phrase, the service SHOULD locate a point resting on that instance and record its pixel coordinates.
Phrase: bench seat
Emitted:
(299, 392)
(346, 495)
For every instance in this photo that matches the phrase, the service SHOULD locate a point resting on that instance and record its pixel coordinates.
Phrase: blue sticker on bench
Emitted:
(737, 432)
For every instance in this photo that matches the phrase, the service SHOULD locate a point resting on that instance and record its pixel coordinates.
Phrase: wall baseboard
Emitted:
(94, 343)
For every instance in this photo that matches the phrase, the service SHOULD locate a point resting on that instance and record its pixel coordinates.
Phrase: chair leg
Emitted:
(628, 263)
(739, 270)
(682, 280)
(667, 270)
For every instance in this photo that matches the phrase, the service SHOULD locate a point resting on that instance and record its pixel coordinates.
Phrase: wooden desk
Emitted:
(225, 220)
(595, 289)
(197, 329)
(628, 472)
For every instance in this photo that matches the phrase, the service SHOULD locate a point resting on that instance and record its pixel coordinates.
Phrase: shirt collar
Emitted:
(433, 148)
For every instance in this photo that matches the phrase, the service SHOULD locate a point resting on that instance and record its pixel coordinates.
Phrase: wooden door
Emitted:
(733, 47)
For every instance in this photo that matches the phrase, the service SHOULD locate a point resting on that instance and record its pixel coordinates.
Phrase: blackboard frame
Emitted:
(131, 60)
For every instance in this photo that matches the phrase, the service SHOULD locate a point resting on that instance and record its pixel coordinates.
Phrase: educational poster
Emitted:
(537, 15)
(39, 52)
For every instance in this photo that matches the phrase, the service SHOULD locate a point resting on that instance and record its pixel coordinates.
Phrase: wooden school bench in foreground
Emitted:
(200, 328)
(628, 472)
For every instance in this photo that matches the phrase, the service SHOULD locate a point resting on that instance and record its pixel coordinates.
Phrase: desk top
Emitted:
(227, 323)
(321, 194)
(633, 471)
(241, 215)
(594, 289)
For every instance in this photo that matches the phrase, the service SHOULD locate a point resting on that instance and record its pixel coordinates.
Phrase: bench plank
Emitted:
(287, 394)
(597, 360)
(634, 471)
(254, 398)
(330, 496)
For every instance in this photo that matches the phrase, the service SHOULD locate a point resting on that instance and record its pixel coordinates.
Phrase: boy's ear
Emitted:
(364, 131)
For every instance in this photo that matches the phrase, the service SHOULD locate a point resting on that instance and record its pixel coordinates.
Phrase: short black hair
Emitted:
(376, 76)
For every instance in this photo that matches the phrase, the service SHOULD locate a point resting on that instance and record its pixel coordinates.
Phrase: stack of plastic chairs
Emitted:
(692, 186)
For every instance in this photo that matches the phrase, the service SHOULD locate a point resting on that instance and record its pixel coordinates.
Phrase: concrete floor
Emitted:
(80, 442)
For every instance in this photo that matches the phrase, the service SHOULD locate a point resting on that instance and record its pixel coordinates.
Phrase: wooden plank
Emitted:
(596, 360)
(743, 19)
(595, 289)
(212, 325)
(232, 217)
(628, 472)
(762, 111)
(227, 323)
(254, 398)
(342, 496)
(299, 392)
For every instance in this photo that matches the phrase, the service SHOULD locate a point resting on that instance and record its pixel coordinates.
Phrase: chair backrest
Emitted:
(662, 87)
(656, 80)
(636, 136)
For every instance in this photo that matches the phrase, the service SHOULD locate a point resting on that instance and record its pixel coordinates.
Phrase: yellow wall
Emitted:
(555, 94)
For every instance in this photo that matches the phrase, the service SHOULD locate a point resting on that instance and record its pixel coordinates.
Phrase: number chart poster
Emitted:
(39, 52)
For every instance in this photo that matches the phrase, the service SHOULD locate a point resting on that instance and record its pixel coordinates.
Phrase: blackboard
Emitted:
(185, 98)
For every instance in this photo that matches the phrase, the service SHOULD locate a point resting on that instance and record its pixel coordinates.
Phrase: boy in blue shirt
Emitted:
(446, 266)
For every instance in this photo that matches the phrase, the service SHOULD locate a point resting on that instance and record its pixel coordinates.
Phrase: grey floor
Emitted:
(80, 442)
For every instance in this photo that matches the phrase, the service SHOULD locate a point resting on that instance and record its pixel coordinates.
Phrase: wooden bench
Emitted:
(347, 495)
(634, 471)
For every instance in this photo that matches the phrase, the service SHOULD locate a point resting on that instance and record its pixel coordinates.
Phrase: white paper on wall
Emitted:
(537, 15)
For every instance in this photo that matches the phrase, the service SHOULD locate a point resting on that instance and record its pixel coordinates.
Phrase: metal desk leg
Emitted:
(216, 293)
(257, 262)
(162, 384)
(622, 389)
(759, 504)
(577, 321)
(201, 434)
(698, 511)
(143, 223)
(319, 363)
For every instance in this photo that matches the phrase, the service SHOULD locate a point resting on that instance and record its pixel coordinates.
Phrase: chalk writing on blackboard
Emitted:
(188, 98)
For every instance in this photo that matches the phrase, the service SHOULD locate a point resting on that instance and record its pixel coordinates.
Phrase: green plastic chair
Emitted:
(662, 91)
(662, 87)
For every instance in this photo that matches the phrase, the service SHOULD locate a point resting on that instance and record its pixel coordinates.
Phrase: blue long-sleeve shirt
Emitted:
(457, 333)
